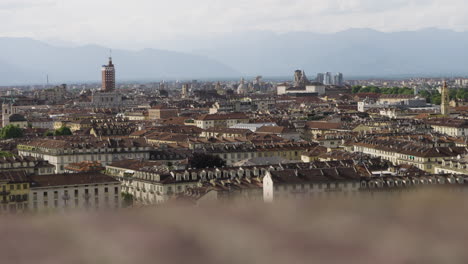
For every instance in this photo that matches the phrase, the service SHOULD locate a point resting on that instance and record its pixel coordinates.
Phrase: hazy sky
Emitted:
(139, 23)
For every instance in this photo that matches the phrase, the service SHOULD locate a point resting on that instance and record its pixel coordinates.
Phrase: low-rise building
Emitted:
(451, 127)
(220, 120)
(162, 112)
(74, 191)
(307, 183)
(14, 191)
(409, 152)
(73, 149)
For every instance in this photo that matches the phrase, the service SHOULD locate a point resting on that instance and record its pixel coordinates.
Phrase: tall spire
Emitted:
(110, 57)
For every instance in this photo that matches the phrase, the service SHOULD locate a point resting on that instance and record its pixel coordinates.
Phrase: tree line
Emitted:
(432, 96)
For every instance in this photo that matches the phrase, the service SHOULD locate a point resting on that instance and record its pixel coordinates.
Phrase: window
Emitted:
(106, 190)
(116, 190)
(96, 191)
(45, 195)
(12, 187)
(76, 193)
(25, 186)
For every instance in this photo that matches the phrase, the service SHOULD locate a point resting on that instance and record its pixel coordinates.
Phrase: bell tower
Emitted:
(444, 106)
(108, 76)
(6, 113)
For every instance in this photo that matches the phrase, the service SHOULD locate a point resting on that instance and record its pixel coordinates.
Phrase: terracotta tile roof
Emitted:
(323, 125)
(13, 176)
(319, 175)
(223, 116)
(273, 130)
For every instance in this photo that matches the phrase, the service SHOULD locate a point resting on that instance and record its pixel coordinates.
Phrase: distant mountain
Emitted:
(358, 52)
(24, 61)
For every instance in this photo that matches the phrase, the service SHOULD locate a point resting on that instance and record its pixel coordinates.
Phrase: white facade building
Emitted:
(289, 184)
(61, 153)
(90, 191)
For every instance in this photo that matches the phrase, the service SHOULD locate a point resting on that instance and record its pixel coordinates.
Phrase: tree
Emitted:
(375, 89)
(127, 200)
(5, 154)
(11, 131)
(356, 89)
(203, 161)
(48, 133)
(63, 131)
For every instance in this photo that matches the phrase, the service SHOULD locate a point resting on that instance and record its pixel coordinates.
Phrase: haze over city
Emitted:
(218, 39)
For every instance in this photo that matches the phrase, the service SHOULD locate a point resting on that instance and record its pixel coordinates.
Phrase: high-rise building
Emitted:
(328, 79)
(338, 79)
(108, 77)
(320, 78)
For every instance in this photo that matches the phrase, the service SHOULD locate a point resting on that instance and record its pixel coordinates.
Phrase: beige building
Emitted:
(150, 184)
(451, 127)
(61, 153)
(320, 182)
(422, 157)
(162, 112)
(89, 191)
(220, 120)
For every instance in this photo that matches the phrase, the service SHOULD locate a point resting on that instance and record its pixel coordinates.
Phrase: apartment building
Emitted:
(220, 120)
(74, 149)
(88, 191)
(235, 153)
(14, 191)
(451, 127)
(307, 183)
(410, 152)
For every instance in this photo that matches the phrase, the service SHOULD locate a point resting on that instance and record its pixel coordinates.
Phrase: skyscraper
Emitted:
(320, 78)
(328, 78)
(338, 79)
(108, 77)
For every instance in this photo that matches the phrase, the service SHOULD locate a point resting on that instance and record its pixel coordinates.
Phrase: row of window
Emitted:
(67, 196)
(311, 186)
(13, 187)
(76, 203)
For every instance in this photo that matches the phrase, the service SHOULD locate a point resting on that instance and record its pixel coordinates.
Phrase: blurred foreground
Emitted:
(427, 227)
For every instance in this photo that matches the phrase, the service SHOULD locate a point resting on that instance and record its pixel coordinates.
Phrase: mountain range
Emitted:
(26, 61)
(356, 52)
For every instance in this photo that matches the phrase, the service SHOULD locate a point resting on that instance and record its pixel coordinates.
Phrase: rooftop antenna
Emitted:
(47, 80)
